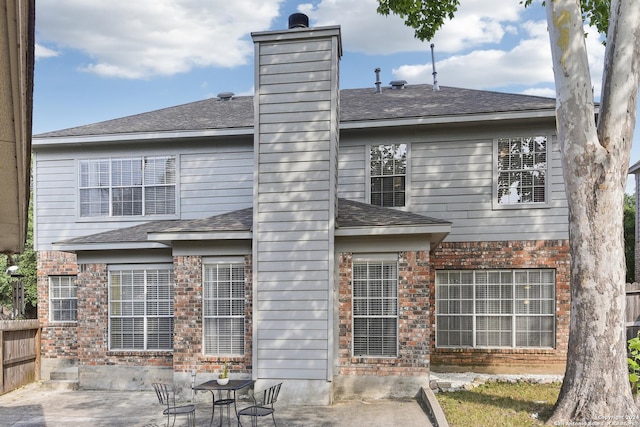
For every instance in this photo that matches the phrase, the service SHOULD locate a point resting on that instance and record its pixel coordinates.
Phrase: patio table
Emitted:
(231, 386)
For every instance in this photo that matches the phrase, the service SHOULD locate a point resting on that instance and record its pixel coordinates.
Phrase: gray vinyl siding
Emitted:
(212, 181)
(352, 172)
(452, 178)
(215, 183)
(296, 156)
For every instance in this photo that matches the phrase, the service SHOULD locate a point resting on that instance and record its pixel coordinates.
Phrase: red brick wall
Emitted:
(414, 329)
(88, 340)
(59, 339)
(93, 325)
(508, 255)
(187, 346)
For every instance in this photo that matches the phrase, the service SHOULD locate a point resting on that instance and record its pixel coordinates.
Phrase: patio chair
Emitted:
(261, 407)
(167, 396)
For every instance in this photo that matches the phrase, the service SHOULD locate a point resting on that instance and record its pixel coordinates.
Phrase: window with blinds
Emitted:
(224, 297)
(375, 308)
(141, 309)
(128, 187)
(63, 300)
(388, 174)
(507, 308)
(522, 170)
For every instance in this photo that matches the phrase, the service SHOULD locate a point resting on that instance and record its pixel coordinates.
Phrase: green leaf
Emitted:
(424, 16)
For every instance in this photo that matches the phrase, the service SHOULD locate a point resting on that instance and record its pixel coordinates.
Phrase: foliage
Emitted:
(426, 17)
(5, 283)
(629, 226)
(27, 263)
(595, 12)
(225, 370)
(500, 404)
(633, 362)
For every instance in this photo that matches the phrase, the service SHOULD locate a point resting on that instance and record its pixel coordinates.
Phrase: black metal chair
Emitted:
(261, 407)
(167, 396)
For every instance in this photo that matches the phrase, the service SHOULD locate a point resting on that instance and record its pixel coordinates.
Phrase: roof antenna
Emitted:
(378, 82)
(435, 73)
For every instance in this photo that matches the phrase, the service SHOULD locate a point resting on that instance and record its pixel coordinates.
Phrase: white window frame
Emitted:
(105, 182)
(60, 292)
(144, 303)
(386, 301)
(407, 174)
(497, 204)
(462, 302)
(220, 309)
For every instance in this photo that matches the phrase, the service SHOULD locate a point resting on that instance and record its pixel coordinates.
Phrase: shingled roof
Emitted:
(357, 105)
(351, 214)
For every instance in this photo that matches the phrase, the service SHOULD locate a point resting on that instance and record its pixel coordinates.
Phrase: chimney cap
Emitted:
(298, 20)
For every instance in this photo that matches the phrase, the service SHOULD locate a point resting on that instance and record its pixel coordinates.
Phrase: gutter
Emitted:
(52, 141)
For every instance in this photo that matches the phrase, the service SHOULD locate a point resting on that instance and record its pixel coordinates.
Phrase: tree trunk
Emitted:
(595, 163)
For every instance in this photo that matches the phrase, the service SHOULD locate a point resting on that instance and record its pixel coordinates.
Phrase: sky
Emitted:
(99, 60)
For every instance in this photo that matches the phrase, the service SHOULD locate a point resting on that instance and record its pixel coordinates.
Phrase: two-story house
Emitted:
(346, 242)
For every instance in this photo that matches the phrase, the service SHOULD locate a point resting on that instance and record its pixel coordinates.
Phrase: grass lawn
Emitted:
(500, 404)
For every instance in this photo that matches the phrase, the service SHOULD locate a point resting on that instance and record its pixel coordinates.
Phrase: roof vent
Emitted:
(435, 73)
(398, 84)
(378, 82)
(298, 20)
(225, 96)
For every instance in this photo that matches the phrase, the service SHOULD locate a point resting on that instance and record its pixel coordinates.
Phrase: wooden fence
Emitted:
(19, 353)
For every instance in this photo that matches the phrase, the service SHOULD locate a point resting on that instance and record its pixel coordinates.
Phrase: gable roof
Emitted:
(357, 106)
(354, 218)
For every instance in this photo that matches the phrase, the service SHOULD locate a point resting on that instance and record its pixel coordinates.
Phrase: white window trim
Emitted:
(512, 315)
(127, 218)
(407, 179)
(134, 267)
(208, 261)
(380, 257)
(547, 186)
(51, 298)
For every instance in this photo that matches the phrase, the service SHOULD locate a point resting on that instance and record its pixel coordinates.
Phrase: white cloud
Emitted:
(143, 38)
(546, 92)
(363, 30)
(527, 64)
(43, 52)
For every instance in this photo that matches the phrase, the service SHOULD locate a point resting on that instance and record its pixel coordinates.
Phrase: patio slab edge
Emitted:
(428, 402)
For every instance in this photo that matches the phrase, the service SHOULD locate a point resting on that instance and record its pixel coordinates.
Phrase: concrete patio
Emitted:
(35, 405)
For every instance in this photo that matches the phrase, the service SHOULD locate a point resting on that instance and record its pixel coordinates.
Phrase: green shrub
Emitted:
(633, 362)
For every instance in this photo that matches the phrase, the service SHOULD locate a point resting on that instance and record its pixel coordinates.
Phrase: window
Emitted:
(141, 309)
(506, 308)
(63, 300)
(128, 187)
(522, 170)
(388, 175)
(224, 295)
(375, 308)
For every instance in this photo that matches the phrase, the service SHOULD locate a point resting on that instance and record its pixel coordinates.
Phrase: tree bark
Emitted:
(595, 163)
